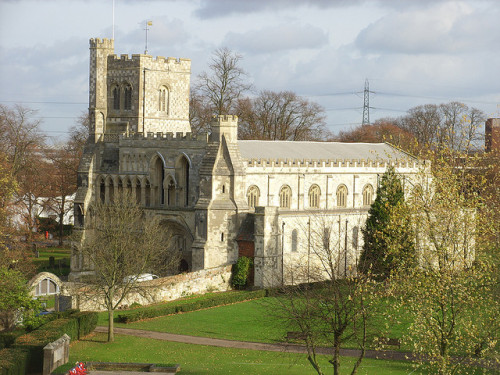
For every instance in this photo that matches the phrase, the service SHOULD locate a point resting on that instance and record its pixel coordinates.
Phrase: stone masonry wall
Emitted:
(163, 289)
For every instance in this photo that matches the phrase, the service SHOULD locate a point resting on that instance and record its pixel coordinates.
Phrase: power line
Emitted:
(41, 102)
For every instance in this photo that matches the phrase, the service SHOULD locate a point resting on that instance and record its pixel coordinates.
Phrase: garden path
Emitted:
(281, 347)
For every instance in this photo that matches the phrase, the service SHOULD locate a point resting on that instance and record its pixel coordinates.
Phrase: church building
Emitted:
(223, 197)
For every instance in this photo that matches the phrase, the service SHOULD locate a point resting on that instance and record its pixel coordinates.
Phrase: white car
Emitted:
(140, 278)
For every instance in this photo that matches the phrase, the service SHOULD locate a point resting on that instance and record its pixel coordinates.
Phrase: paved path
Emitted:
(288, 348)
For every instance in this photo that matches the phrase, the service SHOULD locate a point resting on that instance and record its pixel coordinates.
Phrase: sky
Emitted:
(412, 52)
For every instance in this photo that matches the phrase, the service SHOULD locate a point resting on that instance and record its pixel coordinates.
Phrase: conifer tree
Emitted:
(388, 237)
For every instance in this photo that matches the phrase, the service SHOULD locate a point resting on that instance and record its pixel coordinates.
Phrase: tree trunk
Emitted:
(336, 358)
(111, 325)
(61, 222)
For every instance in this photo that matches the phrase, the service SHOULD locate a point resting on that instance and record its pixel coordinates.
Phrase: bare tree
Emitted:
(217, 91)
(200, 113)
(326, 303)
(383, 130)
(225, 83)
(121, 243)
(20, 135)
(452, 126)
(78, 135)
(33, 181)
(64, 162)
(281, 116)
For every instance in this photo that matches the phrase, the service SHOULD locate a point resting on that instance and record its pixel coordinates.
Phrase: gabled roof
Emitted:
(295, 150)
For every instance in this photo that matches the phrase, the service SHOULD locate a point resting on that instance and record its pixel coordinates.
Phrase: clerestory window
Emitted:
(342, 196)
(285, 196)
(314, 193)
(253, 195)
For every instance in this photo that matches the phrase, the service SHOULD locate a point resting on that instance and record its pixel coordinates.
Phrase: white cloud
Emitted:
(425, 30)
(224, 8)
(278, 38)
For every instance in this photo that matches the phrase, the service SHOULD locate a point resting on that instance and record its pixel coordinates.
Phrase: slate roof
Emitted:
(294, 150)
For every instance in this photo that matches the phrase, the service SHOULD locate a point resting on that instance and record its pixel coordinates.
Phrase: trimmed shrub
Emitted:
(8, 338)
(186, 306)
(240, 272)
(87, 321)
(13, 361)
(75, 325)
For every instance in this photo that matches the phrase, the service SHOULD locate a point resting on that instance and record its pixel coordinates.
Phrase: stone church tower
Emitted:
(137, 94)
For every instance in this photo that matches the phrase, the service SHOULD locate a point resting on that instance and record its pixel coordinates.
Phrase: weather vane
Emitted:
(148, 23)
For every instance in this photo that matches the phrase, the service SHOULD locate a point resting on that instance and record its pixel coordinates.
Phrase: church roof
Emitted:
(295, 150)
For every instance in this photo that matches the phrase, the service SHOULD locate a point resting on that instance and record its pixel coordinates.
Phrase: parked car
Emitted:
(140, 278)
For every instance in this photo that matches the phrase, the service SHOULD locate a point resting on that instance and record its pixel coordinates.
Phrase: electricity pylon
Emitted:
(366, 104)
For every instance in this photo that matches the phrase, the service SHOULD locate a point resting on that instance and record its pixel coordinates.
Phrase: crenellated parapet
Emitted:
(160, 139)
(159, 64)
(224, 125)
(335, 163)
(102, 43)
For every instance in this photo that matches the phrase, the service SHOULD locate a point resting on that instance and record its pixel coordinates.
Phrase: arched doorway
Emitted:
(179, 240)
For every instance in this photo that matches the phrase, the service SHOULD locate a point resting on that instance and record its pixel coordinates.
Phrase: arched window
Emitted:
(111, 189)
(147, 192)
(182, 176)
(294, 240)
(46, 287)
(314, 193)
(171, 193)
(285, 196)
(102, 190)
(327, 234)
(128, 97)
(159, 176)
(367, 195)
(138, 191)
(342, 196)
(116, 98)
(128, 187)
(163, 99)
(120, 187)
(253, 195)
(355, 238)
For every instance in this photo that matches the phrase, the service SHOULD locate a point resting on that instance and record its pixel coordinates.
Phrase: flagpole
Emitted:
(113, 21)
(148, 23)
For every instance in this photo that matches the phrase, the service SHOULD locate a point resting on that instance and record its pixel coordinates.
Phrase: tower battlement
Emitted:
(102, 43)
(160, 63)
(169, 136)
(225, 119)
(224, 125)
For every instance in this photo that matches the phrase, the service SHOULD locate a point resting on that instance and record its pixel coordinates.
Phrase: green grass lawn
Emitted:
(200, 359)
(246, 321)
(103, 316)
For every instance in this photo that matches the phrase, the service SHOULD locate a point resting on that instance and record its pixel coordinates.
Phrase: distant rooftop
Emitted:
(293, 150)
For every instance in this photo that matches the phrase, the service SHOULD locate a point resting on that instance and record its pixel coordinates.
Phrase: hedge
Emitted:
(186, 306)
(8, 338)
(75, 326)
(240, 272)
(13, 361)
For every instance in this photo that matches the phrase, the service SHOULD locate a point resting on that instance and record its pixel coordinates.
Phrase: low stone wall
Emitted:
(55, 354)
(158, 290)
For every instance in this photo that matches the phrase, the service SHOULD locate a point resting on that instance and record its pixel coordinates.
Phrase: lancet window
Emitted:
(314, 193)
(253, 195)
(285, 196)
(342, 196)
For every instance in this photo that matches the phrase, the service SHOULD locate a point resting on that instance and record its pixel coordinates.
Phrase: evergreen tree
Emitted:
(388, 237)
